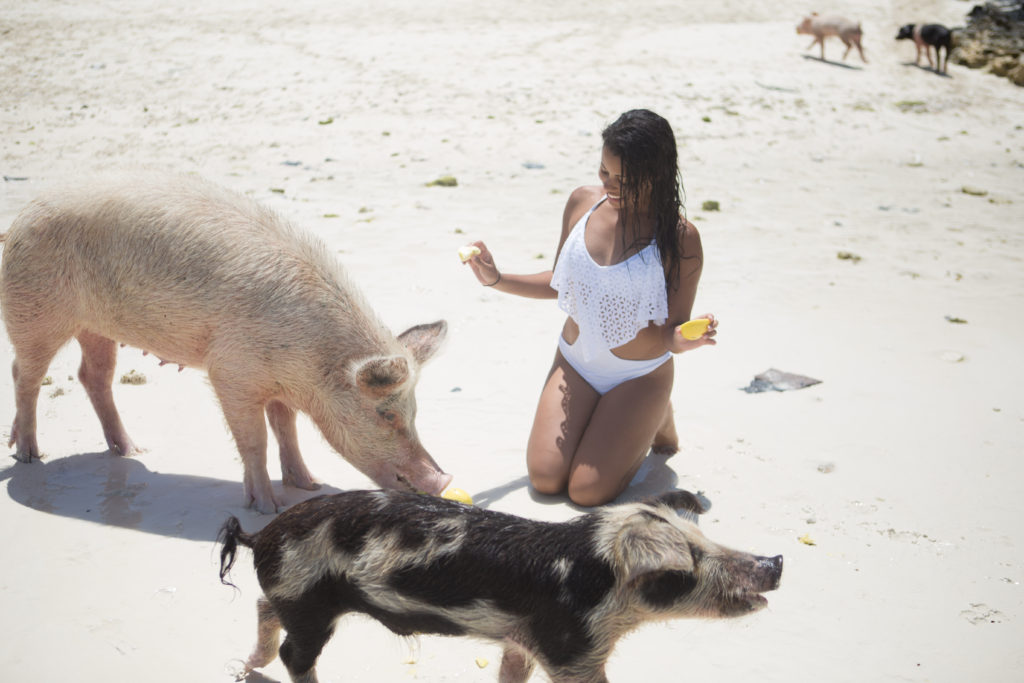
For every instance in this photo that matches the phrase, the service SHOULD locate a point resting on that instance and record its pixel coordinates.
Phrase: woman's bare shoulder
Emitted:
(689, 237)
(585, 195)
(580, 200)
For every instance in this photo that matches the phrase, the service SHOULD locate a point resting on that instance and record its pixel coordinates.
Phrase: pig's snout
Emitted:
(433, 483)
(769, 572)
(751, 577)
(417, 473)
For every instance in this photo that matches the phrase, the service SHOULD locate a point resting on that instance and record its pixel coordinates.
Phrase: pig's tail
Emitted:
(231, 535)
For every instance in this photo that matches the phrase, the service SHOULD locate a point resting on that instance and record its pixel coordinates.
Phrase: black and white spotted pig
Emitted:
(560, 594)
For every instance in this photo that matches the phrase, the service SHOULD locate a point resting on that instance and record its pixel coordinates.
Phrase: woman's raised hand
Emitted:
(481, 263)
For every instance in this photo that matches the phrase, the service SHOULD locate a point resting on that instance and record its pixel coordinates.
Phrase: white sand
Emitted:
(109, 564)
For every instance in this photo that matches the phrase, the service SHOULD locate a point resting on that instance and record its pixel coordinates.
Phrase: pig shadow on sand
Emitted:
(852, 67)
(929, 69)
(123, 492)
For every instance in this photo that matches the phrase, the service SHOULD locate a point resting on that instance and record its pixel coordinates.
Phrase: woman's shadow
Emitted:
(123, 492)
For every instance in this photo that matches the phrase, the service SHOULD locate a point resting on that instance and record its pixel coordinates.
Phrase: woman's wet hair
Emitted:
(646, 147)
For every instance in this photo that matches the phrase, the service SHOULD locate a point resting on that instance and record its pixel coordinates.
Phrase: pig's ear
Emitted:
(381, 376)
(424, 340)
(647, 543)
(680, 500)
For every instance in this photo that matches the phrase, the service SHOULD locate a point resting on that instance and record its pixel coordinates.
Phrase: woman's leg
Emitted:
(666, 441)
(618, 436)
(563, 412)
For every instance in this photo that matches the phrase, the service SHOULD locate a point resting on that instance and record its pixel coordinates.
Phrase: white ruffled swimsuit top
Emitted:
(610, 304)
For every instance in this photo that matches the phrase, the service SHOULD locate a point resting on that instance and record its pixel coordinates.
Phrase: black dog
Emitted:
(928, 36)
(560, 594)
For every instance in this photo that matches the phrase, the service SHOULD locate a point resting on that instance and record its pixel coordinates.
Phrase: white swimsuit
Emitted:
(610, 305)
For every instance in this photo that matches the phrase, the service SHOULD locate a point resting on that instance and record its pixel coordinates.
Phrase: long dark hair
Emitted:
(646, 146)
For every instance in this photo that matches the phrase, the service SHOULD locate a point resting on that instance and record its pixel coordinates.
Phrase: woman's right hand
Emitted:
(482, 265)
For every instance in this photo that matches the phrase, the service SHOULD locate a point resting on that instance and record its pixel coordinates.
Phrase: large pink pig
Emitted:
(204, 277)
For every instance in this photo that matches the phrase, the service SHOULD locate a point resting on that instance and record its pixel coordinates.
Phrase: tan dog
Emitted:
(823, 27)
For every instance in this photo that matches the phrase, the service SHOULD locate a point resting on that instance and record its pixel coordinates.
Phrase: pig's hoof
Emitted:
(125, 448)
(266, 506)
(305, 483)
(25, 456)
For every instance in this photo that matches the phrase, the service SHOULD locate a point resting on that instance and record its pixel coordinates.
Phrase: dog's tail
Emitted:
(232, 536)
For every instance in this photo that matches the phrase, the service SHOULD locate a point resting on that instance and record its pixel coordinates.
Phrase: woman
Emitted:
(626, 273)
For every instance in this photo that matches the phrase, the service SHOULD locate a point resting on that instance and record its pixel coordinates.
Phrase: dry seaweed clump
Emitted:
(444, 181)
(848, 256)
(132, 377)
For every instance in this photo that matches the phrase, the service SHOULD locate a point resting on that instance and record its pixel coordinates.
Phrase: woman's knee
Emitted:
(548, 486)
(587, 489)
(547, 475)
(589, 496)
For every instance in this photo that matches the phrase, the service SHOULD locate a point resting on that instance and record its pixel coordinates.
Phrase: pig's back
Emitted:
(168, 263)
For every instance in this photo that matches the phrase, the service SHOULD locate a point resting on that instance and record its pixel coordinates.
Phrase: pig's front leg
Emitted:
(293, 469)
(96, 373)
(249, 427)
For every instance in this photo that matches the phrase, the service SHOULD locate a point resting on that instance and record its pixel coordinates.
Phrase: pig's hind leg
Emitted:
(516, 665)
(268, 632)
(99, 358)
(293, 469)
(32, 356)
(853, 41)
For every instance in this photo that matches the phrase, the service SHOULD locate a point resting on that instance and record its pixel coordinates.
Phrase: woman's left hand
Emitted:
(681, 343)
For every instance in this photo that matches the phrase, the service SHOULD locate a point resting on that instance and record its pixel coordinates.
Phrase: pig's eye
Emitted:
(388, 415)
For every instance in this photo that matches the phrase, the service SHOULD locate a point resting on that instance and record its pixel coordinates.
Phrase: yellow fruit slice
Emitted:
(468, 252)
(694, 329)
(457, 495)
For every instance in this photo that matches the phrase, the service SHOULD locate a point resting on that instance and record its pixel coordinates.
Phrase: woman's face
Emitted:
(610, 175)
(613, 181)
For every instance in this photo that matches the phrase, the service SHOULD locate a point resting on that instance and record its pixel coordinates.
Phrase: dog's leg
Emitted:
(928, 54)
(516, 665)
(268, 630)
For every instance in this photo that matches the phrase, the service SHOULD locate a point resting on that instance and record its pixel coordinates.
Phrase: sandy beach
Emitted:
(869, 234)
